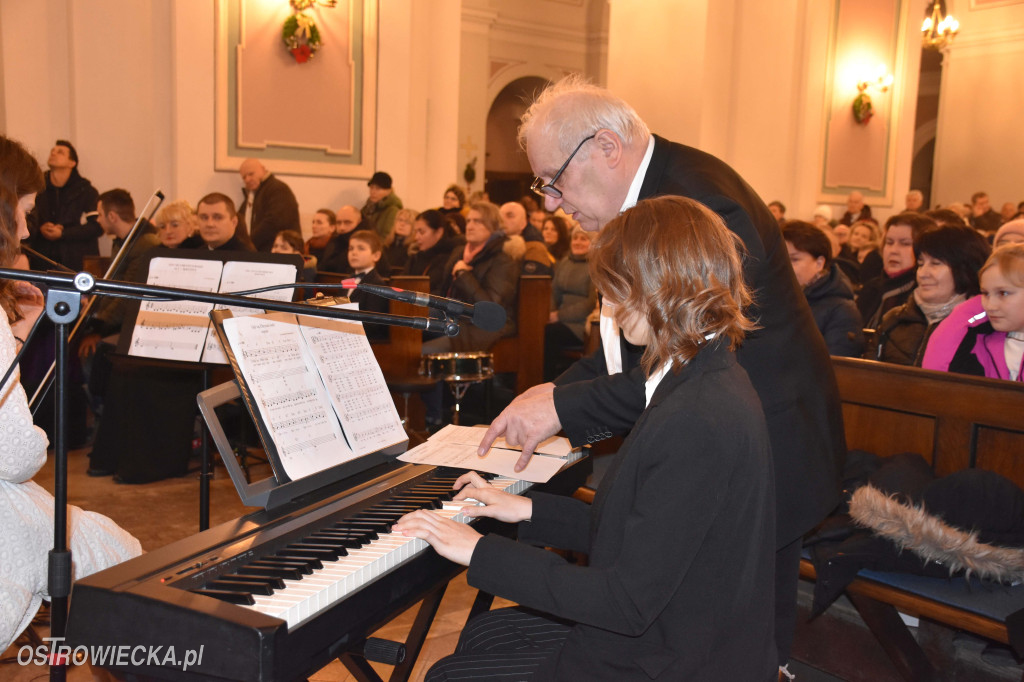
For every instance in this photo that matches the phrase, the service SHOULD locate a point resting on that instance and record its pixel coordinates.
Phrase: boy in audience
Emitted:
(364, 251)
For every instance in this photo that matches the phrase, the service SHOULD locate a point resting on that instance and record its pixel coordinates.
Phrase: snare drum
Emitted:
(474, 366)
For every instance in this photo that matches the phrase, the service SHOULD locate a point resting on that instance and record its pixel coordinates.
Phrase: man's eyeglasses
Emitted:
(548, 189)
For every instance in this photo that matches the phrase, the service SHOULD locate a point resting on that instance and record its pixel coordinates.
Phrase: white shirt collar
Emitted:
(652, 383)
(633, 195)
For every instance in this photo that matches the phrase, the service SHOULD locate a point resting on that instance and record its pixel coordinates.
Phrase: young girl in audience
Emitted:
(948, 259)
(26, 509)
(987, 342)
(680, 537)
(290, 242)
(892, 288)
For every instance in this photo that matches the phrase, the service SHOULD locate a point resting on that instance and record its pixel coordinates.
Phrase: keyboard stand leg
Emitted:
(481, 604)
(364, 672)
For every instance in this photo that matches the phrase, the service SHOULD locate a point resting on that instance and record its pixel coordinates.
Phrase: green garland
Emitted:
(301, 37)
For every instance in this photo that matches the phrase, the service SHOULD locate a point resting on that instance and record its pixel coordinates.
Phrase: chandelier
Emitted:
(937, 32)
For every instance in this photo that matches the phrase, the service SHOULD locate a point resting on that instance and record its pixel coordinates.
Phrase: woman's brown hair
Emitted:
(673, 260)
(19, 175)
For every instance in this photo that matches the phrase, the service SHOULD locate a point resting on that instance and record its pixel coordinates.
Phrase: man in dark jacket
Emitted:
(64, 226)
(617, 162)
(218, 224)
(267, 203)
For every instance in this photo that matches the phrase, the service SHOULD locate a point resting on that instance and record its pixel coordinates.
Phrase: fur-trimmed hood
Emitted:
(930, 537)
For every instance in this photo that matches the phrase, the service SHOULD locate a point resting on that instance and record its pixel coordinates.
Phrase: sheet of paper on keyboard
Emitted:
(556, 446)
(462, 455)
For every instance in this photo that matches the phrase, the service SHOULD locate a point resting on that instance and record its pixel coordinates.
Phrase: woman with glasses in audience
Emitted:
(454, 200)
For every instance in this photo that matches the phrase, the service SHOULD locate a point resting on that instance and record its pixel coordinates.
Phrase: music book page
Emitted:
(317, 387)
(285, 383)
(354, 382)
(242, 276)
(175, 330)
(455, 446)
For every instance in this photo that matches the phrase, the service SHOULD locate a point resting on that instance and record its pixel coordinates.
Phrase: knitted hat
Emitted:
(380, 179)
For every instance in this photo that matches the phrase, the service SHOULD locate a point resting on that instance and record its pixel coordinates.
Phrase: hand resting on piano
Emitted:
(528, 420)
(456, 541)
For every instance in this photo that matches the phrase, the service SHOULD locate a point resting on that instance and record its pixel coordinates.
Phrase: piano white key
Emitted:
(302, 599)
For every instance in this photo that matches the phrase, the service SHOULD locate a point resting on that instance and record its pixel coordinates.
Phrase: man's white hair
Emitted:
(571, 109)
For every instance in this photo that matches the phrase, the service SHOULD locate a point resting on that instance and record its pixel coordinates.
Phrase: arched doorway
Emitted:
(507, 174)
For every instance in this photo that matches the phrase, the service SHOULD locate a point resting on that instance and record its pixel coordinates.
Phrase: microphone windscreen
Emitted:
(488, 316)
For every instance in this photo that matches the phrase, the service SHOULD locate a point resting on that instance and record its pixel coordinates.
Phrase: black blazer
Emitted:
(786, 357)
(680, 541)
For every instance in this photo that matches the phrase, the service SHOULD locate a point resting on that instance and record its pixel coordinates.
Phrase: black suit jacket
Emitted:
(786, 357)
(274, 209)
(680, 541)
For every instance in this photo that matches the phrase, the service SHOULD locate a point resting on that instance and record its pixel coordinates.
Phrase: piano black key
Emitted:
(322, 550)
(371, 527)
(343, 539)
(239, 586)
(279, 569)
(308, 558)
(339, 542)
(268, 580)
(227, 595)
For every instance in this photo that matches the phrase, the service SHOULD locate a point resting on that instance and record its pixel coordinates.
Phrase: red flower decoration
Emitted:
(302, 53)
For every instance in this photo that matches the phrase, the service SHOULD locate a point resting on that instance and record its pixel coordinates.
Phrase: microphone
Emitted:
(486, 315)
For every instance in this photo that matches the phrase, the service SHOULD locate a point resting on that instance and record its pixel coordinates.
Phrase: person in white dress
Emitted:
(26, 509)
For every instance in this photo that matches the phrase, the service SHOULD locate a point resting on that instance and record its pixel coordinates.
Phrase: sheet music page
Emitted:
(556, 446)
(242, 276)
(451, 450)
(176, 330)
(354, 382)
(288, 392)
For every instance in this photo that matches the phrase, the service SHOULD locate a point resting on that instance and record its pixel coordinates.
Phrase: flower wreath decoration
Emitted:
(301, 37)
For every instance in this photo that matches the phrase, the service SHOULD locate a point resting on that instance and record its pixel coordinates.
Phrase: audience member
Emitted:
(827, 290)
(290, 242)
(398, 243)
(26, 509)
(336, 254)
(946, 217)
(865, 241)
(538, 217)
(914, 201)
(268, 205)
(479, 195)
(573, 298)
(381, 206)
(961, 209)
(479, 271)
(983, 218)
(435, 239)
(324, 224)
(841, 233)
(893, 286)
(856, 209)
(822, 217)
(64, 220)
(555, 231)
(696, 468)
(364, 253)
(457, 221)
(535, 258)
(948, 259)
(454, 200)
(1010, 233)
(529, 202)
(778, 209)
(218, 224)
(176, 226)
(985, 335)
(1008, 212)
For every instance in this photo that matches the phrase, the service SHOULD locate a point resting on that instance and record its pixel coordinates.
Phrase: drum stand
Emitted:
(459, 384)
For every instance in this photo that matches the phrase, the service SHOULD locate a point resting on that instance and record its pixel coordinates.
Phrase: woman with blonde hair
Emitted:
(177, 226)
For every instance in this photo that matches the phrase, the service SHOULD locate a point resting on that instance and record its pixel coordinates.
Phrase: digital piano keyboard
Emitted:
(277, 595)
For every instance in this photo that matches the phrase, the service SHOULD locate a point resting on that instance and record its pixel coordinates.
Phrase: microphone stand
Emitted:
(63, 303)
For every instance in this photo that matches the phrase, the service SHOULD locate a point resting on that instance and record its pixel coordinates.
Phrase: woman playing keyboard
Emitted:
(680, 538)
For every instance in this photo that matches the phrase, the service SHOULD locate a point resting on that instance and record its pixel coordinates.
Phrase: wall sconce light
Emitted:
(862, 108)
(937, 33)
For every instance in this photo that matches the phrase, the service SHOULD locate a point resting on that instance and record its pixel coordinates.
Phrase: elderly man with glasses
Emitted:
(594, 158)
